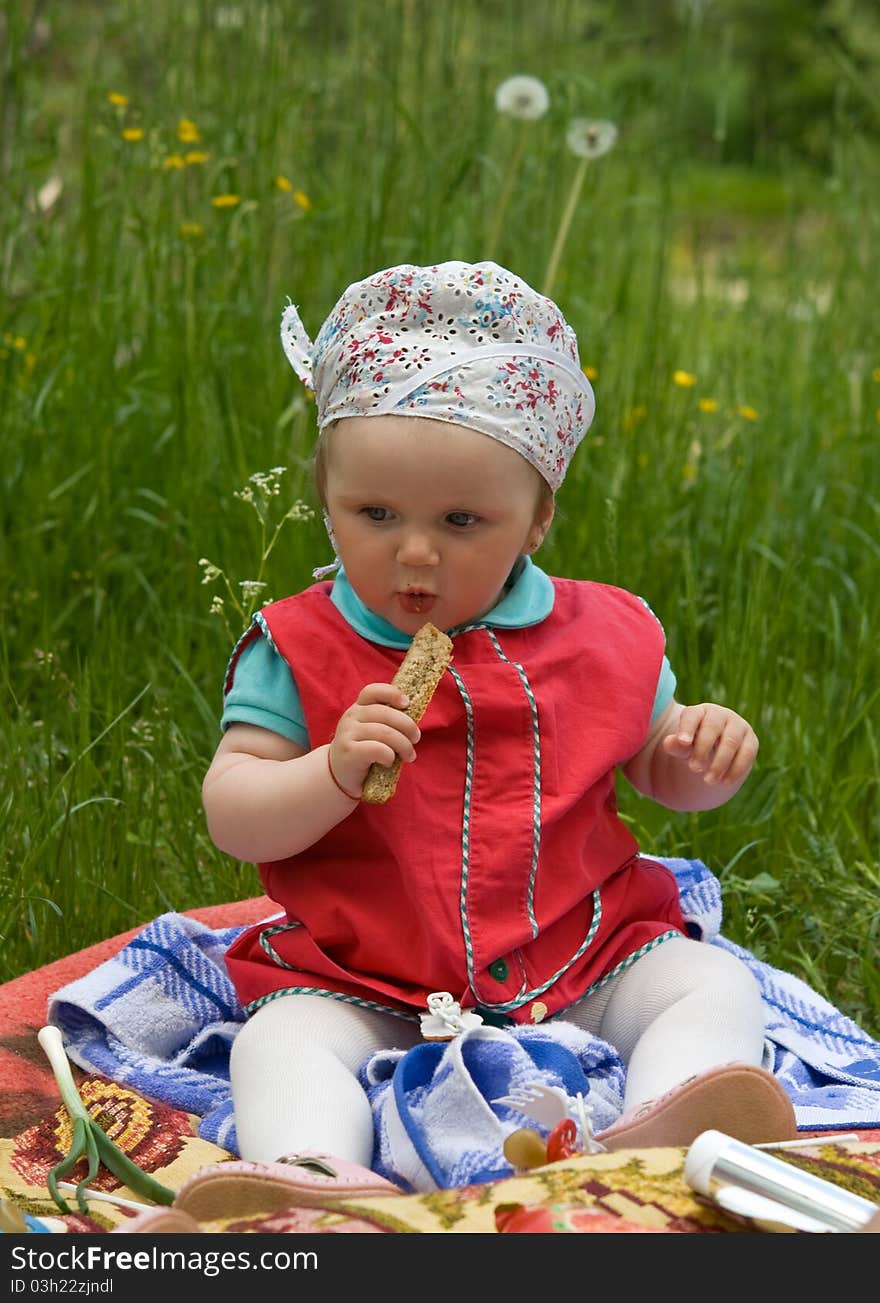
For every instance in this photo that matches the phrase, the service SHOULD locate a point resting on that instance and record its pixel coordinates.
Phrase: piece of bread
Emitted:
(420, 672)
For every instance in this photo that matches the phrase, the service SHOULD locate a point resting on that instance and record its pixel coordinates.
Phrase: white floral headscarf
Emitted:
(463, 342)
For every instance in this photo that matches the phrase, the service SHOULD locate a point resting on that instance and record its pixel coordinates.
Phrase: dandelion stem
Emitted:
(506, 193)
(564, 226)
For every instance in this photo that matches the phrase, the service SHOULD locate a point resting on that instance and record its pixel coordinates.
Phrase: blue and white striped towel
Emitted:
(162, 1014)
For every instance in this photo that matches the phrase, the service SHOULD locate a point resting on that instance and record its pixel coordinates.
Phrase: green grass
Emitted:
(142, 384)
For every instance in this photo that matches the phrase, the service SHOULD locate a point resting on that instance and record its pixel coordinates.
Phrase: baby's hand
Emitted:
(374, 730)
(714, 742)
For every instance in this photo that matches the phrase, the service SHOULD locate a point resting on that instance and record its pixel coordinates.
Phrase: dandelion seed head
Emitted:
(522, 97)
(590, 137)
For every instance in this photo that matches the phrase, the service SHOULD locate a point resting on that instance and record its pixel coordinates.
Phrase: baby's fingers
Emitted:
(734, 756)
(680, 743)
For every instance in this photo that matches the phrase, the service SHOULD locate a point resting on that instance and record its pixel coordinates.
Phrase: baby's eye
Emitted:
(377, 514)
(462, 519)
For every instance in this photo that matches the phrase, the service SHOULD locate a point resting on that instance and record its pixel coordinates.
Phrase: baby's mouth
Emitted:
(416, 602)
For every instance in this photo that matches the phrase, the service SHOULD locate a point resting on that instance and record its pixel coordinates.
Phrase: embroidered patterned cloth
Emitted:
(627, 1191)
(162, 1014)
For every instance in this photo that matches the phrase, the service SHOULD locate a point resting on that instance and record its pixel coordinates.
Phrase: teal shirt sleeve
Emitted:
(264, 693)
(666, 681)
(665, 690)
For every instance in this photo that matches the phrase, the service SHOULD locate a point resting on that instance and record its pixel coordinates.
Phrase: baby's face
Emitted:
(429, 517)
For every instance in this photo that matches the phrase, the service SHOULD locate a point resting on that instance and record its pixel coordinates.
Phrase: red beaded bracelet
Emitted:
(337, 782)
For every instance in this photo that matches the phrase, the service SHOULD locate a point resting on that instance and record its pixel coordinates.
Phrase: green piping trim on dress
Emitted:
(536, 781)
(234, 652)
(619, 968)
(466, 822)
(260, 619)
(254, 1005)
(270, 950)
(523, 998)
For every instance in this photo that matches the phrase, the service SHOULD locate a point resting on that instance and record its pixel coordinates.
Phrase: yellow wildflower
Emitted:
(642, 460)
(282, 183)
(195, 156)
(133, 133)
(633, 416)
(875, 375)
(591, 373)
(172, 161)
(226, 201)
(747, 413)
(301, 198)
(191, 230)
(15, 341)
(119, 100)
(188, 131)
(684, 379)
(708, 405)
(689, 472)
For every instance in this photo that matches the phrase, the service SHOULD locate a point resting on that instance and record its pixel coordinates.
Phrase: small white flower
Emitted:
(590, 137)
(250, 588)
(300, 511)
(216, 606)
(210, 571)
(522, 97)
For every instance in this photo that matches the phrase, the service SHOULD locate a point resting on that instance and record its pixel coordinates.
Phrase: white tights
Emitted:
(681, 1008)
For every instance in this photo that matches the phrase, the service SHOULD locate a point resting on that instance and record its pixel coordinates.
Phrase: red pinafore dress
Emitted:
(500, 870)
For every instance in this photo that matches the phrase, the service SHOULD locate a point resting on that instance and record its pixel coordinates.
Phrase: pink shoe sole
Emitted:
(739, 1099)
(159, 1221)
(242, 1188)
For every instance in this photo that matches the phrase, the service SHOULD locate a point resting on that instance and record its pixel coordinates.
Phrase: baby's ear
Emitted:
(543, 521)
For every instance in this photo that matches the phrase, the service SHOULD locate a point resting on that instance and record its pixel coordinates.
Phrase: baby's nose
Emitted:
(418, 548)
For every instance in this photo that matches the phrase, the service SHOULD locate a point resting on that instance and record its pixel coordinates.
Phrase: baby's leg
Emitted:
(294, 1076)
(682, 1008)
(688, 1022)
